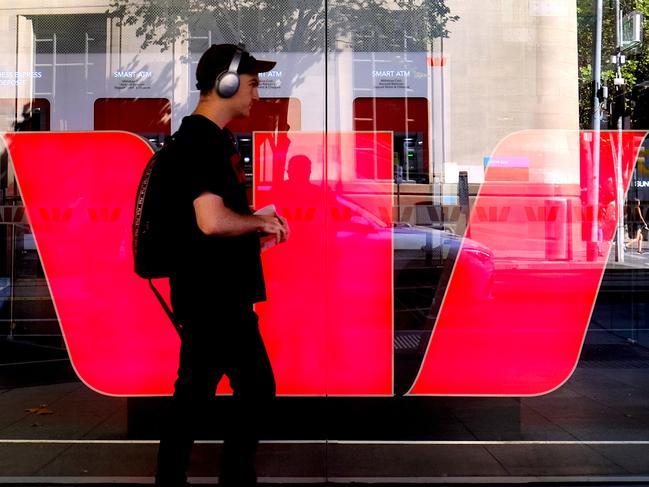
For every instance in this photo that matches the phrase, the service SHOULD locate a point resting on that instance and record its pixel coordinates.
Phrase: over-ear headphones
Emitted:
(227, 82)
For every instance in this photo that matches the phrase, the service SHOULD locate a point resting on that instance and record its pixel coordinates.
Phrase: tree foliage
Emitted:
(290, 25)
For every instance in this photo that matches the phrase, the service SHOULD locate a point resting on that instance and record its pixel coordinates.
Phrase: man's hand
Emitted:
(284, 223)
(214, 218)
(274, 225)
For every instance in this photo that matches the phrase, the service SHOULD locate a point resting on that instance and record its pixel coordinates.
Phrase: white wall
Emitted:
(513, 66)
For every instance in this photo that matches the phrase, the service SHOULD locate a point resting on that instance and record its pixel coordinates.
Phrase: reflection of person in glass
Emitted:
(607, 213)
(299, 180)
(219, 275)
(300, 198)
(636, 224)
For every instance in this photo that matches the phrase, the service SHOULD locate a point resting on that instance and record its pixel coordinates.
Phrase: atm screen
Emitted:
(407, 118)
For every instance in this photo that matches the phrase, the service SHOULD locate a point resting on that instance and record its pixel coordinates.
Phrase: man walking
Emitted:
(219, 274)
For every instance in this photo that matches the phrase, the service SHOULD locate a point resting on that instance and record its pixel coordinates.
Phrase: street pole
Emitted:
(619, 109)
(592, 246)
(597, 66)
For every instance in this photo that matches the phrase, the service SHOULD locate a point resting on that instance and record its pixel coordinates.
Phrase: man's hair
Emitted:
(217, 59)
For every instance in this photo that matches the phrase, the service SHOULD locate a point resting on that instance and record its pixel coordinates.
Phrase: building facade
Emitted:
(454, 299)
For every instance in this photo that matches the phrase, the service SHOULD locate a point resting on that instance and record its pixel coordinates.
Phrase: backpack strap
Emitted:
(165, 306)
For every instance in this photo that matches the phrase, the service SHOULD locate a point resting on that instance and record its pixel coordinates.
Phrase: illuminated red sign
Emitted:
(328, 321)
(524, 335)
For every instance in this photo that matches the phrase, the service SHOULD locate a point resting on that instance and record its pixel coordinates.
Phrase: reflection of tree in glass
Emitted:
(290, 25)
(634, 71)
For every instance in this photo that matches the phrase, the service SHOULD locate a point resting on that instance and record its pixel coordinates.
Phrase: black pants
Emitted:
(223, 340)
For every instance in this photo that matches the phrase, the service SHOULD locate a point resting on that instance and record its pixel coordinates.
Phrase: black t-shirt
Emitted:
(220, 269)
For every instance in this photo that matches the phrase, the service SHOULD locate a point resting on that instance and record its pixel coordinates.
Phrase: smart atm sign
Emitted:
(329, 319)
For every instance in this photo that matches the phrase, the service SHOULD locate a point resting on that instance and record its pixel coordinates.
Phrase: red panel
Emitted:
(80, 209)
(270, 114)
(329, 314)
(523, 335)
(145, 116)
(509, 174)
(326, 332)
(395, 114)
(328, 323)
(399, 115)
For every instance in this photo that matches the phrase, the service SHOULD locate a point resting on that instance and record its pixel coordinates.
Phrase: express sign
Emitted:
(329, 319)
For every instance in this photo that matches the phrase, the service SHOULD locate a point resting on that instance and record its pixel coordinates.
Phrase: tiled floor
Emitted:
(594, 427)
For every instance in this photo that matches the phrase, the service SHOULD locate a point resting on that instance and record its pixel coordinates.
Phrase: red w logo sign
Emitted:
(512, 320)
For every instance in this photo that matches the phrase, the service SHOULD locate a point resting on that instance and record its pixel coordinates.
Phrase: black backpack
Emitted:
(155, 232)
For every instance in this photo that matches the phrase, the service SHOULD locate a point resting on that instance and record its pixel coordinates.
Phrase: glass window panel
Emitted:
(468, 259)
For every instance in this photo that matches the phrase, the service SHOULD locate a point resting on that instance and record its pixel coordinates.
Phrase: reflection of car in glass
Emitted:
(426, 246)
(420, 280)
(423, 261)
